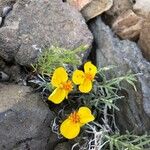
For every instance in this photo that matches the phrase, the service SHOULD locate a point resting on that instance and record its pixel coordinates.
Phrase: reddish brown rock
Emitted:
(91, 8)
(79, 4)
(142, 7)
(144, 40)
(95, 8)
(119, 6)
(128, 25)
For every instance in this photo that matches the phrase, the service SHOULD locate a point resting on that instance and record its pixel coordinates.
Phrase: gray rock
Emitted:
(6, 10)
(63, 146)
(41, 24)
(5, 3)
(3, 76)
(9, 43)
(24, 119)
(11, 72)
(14, 72)
(1, 20)
(2, 64)
(134, 114)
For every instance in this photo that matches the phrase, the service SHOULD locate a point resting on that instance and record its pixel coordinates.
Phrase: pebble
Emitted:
(6, 10)
(3, 77)
(1, 19)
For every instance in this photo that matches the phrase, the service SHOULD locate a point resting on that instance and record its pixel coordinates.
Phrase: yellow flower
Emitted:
(70, 128)
(62, 84)
(84, 79)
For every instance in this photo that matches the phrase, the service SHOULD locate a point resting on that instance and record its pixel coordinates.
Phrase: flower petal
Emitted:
(78, 77)
(86, 86)
(69, 129)
(85, 115)
(90, 68)
(58, 95)
(60, 75)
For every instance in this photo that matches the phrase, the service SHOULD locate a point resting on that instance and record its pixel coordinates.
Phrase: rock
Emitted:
(63, 146)
(51, 23)
(142, 7)
(24, 119)
(15, 73)
(118, 8)
(95, 8)
(2, 64)
(134, 114)
(1, 20)
(78, 4)
(128, 25)
(144, 40)
(53, 141)
(4, 4)
(6, 10)
(11, 72)
(3, 77)
(9, 43)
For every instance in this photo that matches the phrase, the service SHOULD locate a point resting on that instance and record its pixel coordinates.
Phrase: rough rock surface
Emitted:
(10, 72)
(128, 25)
(134, 114)
(3, 77)
(78, 4)
(9, 43)
(95, 8)
(34, 25)
(119, 7)
(144, 40)
(24, 119)
(4, 3)
(63, 146)
(15, 73)
(142, 7)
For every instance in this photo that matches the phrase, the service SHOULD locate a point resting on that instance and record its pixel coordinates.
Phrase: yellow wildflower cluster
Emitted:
(63, 86)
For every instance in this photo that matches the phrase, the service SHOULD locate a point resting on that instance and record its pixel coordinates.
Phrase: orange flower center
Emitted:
(74, 117)
(67, 85)
(89, 76)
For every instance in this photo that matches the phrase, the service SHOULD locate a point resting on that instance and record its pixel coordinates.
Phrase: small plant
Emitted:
(92, 94)
(54, 57)
(104, 139)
